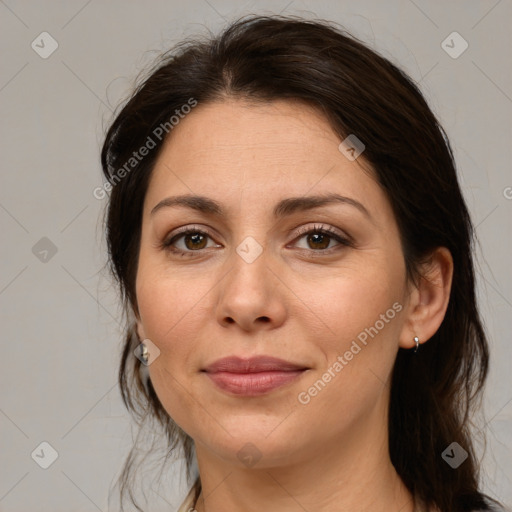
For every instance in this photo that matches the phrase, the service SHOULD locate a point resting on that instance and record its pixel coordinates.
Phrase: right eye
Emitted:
(188, 240)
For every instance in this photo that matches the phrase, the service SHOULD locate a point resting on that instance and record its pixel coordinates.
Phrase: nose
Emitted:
(251, 296)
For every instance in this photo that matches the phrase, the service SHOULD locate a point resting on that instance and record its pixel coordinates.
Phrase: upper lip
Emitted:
(254, 364)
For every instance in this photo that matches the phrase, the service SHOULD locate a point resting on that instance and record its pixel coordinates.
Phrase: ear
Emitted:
(428, 300)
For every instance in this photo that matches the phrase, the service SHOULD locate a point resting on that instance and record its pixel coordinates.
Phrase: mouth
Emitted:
(254, 376)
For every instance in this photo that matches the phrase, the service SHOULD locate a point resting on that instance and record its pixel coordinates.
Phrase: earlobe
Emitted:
(429, 299)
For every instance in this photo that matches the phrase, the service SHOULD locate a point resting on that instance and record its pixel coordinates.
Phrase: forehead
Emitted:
(282, 130)
(264, 150)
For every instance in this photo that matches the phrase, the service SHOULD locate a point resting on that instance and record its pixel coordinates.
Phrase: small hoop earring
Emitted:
(417, 341)
(144, 354)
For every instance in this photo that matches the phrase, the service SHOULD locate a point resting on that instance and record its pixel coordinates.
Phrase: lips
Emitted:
(254, 376)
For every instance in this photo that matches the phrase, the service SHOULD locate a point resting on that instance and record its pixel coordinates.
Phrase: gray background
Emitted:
(60, 316)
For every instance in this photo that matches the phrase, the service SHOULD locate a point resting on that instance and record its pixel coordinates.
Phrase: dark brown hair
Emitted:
(433, 393)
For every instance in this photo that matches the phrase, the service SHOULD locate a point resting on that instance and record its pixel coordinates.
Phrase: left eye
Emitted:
(320, 239)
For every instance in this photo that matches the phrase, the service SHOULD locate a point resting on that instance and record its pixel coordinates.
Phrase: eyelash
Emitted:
(319, 229)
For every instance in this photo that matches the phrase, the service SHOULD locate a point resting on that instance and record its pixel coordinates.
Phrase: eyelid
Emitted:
(187, 228)
(341, 236)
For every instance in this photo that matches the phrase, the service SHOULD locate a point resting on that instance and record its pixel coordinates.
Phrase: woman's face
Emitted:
(293, 253)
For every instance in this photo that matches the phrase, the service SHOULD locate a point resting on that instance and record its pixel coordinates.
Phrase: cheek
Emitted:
(167, 300)
(360, 308)
(170, 317)
(358, 351)
(353, 298)
(171, 308)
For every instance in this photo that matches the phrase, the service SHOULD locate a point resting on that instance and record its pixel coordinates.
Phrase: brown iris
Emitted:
(318, 241)
(195, 241)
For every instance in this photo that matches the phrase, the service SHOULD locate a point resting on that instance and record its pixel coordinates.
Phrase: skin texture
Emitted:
(297, 301)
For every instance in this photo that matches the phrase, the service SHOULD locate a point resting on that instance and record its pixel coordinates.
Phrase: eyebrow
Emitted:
(284, 208)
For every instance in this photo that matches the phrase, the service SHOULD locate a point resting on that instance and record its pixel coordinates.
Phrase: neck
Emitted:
(354, 473)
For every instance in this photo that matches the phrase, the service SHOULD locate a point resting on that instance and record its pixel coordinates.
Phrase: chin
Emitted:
(259, 441)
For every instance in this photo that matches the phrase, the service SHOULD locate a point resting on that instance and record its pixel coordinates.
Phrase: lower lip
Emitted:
(253, 384)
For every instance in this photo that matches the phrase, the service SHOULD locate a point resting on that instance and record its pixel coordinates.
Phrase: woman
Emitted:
(294, 254)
